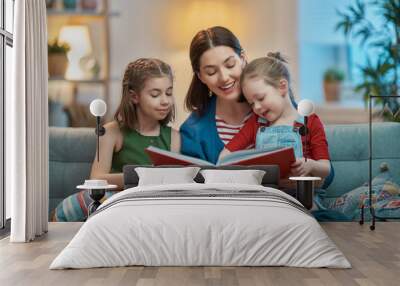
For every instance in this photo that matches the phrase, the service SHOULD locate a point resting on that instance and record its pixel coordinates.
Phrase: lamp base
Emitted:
(96, 195)
(305, 193)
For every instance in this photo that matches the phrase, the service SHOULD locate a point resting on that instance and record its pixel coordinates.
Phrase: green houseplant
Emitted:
(57, 58)
(381, 38)
(332, 84)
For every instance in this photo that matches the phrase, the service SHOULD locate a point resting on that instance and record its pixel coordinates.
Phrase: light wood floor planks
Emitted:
(375, 257)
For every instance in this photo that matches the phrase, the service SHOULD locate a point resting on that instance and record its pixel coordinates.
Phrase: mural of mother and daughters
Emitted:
(234, 105)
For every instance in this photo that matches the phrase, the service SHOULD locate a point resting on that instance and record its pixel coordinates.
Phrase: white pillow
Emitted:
(248, 177)
(164, 176)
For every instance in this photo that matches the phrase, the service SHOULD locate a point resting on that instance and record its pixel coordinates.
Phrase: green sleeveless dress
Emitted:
(132, 151)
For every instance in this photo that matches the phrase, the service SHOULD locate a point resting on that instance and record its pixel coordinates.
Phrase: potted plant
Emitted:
(57, 58)
(381, 38)
(332, 84)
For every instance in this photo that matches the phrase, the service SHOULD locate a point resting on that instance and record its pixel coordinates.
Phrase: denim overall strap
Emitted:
(271, 137)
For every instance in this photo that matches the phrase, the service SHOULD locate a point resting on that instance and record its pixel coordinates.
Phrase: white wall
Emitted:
(164, 28)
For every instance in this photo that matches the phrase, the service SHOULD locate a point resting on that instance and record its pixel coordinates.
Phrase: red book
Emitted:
(284, 157)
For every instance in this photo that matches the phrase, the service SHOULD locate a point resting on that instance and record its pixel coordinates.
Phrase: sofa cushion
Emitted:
(349, 151)
(71, 153)
(383, 191)
(72, 144)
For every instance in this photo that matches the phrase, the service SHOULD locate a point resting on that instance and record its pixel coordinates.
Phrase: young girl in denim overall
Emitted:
(275, 123)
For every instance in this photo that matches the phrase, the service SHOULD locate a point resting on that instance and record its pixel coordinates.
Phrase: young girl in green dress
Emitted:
(147, 106)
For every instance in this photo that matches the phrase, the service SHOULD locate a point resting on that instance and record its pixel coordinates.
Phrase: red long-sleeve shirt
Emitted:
(317, 148)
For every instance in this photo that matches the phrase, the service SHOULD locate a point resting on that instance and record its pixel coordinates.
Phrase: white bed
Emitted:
(225, 225)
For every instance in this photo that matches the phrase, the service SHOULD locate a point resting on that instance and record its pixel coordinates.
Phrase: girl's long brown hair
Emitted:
(197, 97)
(135, 76)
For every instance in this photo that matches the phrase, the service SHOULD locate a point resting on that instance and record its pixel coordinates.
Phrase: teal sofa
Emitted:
(349, 150)
(72, 151)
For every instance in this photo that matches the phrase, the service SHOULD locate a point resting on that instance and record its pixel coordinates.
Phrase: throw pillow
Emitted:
(349, 204)
(162, 176)
(248, 177)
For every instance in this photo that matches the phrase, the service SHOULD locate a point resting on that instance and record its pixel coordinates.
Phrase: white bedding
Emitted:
(182, 231)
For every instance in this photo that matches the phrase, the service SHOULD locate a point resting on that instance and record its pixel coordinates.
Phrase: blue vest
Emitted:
(199, 135)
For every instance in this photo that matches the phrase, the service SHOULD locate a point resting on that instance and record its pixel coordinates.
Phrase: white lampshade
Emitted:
(305, 107)
(98, 107)
(78, 38)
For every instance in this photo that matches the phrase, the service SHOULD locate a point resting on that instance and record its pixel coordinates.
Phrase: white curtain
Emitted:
(27, 124)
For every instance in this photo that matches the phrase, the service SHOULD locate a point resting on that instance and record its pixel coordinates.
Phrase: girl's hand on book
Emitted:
(301, 167)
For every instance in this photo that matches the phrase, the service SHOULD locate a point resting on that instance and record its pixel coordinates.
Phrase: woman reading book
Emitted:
(217, 60)
(146, 107)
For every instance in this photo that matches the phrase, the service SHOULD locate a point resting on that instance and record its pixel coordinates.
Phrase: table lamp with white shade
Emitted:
(305, 108)
(96, 187)
(98, 108)
(305, 185)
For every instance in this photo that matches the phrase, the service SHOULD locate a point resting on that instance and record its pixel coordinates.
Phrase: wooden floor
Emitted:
(374, 255)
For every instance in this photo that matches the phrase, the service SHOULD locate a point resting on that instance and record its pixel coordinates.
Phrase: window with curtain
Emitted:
(6, 44)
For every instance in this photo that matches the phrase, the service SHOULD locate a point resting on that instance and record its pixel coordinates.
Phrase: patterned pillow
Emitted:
(75, 207)
(384, 190)
(389, 208)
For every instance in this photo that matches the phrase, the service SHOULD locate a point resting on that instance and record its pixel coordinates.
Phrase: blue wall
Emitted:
(321, 47)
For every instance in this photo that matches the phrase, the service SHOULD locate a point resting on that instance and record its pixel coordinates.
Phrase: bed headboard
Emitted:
(270, 179)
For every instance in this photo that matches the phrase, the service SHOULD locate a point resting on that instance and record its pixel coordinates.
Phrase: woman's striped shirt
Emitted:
(227, 131)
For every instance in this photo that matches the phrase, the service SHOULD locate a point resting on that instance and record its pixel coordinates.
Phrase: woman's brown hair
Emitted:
(271, 69)
(135, 76)
(197, 97)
